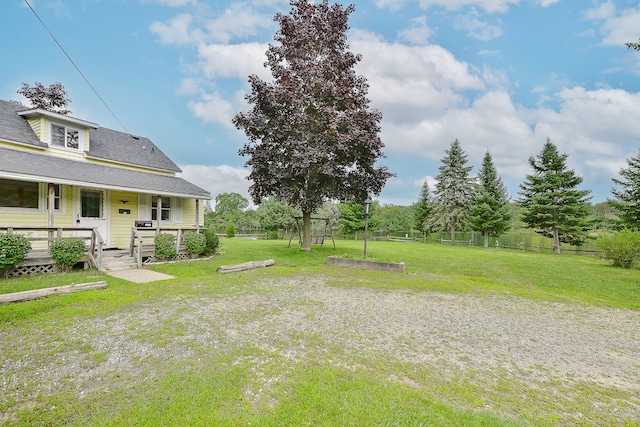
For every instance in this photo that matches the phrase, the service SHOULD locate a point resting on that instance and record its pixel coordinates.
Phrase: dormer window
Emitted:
(66, 137)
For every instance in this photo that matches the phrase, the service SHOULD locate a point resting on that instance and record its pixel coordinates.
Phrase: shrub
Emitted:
(231, 230)
(195, 243)
(272, 235)
(13, 250)
(67, 252)
(212, 241)
(165, 246)
(622, 247)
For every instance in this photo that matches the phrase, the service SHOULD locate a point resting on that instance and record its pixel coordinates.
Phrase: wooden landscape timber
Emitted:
(244, 266)
(40, 293)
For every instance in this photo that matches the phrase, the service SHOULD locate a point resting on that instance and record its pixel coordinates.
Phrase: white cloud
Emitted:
(477, 28)
(240, 20)
(235, 60)
(178, 30)
(172, 3)
(546, 3)
(218, 179)
(490, 6)
(431, 182)
(214, 108)
(418, 33)
(617, 28)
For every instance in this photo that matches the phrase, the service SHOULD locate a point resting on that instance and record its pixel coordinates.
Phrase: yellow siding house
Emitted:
(60, 171)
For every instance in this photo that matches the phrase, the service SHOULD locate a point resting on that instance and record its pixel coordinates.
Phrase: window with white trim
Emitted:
(19, 194)
(24, 196)
(66, 137)
(166, 208)
(56, 197)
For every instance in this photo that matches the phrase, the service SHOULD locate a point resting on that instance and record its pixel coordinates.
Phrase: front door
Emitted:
(92, 211)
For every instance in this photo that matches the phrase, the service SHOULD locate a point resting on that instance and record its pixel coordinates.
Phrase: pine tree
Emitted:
(453, 191)
(312, 135)
(490, 205)
(423, 210)
(554, 207)
(627, 198)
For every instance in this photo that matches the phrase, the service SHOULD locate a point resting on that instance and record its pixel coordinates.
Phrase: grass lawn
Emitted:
(244, 348)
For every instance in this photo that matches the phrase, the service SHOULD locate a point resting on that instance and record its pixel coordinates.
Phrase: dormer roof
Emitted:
(39, 112)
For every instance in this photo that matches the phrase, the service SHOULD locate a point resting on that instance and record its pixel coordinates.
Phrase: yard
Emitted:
(466, 337)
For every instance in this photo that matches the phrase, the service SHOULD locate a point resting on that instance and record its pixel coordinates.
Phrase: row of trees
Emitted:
(553, 206)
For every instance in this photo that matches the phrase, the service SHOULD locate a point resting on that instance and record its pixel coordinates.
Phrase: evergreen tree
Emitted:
(312, 134)
(554, 207)
(490, 205)
(627, 198)
(453, 191)
(423, 210)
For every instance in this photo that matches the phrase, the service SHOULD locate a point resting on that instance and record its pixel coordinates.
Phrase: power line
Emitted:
(76, 67)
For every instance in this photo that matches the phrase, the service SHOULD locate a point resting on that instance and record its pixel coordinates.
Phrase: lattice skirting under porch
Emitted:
(29, 270)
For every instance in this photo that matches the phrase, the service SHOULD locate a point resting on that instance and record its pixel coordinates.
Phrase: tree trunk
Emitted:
(453, 234)
(306, 231)
(486, 238)
(556, 241)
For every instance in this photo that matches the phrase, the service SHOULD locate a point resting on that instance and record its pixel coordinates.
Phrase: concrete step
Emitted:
(114, 260)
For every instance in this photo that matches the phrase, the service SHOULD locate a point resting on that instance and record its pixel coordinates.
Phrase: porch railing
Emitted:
(42, 237)
(142, 238)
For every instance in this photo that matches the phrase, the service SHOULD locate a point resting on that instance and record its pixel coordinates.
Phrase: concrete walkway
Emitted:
(139, 275)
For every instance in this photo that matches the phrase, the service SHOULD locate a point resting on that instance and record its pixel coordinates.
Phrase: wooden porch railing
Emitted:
(49, 234)
(140, 236)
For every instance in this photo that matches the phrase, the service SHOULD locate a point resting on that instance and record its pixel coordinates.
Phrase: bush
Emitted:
(13, 249)
(195, 243)
(231, 230)
(272, 235)
(67, 252)
(622, 247)
(212, 241)
(165, 246)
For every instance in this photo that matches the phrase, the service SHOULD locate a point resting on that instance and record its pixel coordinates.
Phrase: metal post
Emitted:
(366, 224)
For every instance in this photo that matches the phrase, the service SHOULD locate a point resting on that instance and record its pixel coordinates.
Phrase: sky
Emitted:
(498, 75)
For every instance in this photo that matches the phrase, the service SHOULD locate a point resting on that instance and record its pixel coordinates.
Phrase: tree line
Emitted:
(550, 203)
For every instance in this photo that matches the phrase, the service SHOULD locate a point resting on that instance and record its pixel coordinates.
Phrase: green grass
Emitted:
(221, 383)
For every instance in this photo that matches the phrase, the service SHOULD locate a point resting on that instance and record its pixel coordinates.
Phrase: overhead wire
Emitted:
(76, 67)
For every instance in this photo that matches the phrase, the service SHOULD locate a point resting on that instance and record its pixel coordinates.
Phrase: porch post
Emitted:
(52, 202)
(51, 191)
(197, 214)
(158, 213)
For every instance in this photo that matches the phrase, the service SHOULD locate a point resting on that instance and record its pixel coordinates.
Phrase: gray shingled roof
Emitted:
(109, 144)
(58, 170)
(105, 144)
(15, 128)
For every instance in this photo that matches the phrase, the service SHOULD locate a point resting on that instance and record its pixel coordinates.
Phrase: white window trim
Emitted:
(172, 214)
(43, 193)
(43, 190)
(66, 127)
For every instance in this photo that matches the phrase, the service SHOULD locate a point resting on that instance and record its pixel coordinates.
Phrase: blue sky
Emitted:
(498, 75)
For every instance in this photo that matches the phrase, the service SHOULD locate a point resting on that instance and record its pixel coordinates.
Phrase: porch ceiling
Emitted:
(31, 166)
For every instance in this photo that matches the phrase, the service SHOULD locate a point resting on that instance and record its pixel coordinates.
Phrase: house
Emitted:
(61, 171)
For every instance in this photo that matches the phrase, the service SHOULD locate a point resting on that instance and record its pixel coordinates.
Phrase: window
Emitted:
(56, 197)
(166, 208)
(62, 136)
(18, 194)
(91, 204)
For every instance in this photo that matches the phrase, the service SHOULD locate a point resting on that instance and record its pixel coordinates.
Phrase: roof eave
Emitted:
(37, 112)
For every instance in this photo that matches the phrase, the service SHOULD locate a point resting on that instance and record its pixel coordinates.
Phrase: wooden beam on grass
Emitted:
(244, 266)
(40, 293)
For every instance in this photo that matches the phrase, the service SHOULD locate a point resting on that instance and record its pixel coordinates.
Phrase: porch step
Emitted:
(114, 260)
